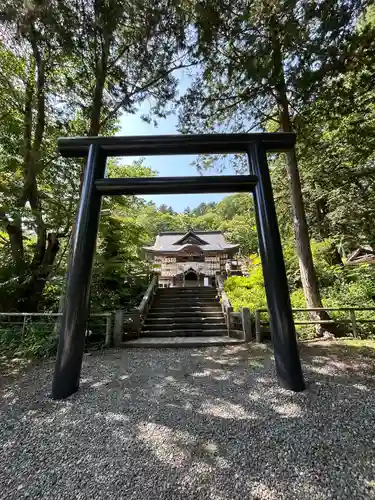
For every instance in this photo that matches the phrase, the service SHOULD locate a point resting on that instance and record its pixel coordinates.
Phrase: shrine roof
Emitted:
(207, 241)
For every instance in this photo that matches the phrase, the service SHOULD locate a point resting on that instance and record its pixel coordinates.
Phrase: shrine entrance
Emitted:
(95, 185)
(191, 279)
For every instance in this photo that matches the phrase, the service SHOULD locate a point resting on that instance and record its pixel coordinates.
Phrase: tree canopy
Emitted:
(263, 66)
(73, 67)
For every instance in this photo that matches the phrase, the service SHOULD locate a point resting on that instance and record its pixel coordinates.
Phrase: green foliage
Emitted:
(35, 341)
(120, 273)
(248, 291)
(262, 65)
(242, 231)
(353, 286)
(303, 66)
(346, 287)
(342, 286)
(69, 70)
(237, 86)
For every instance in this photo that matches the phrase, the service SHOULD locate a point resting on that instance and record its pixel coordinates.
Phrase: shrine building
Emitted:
(186, 259)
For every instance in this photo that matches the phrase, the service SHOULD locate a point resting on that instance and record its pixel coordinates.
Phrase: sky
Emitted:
(166, 165)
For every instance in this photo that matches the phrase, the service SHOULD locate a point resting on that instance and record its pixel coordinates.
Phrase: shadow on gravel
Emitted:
(193, 424)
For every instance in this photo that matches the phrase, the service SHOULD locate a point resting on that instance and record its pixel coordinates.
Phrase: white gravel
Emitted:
(190, 424)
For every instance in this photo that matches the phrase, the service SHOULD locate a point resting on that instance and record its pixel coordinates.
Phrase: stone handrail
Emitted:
(229, 315)
(241, 324)
(219, 281)
(146, 301)
(131, 322)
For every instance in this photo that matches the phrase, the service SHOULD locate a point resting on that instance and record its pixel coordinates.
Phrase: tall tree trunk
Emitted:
(33, 165)
(14, 230)
(97, 104)
(101, 68)
(34, 288)
(46, 247)
(302, 240)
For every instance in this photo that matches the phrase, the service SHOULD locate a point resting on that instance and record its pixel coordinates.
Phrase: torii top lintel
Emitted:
(176, 144)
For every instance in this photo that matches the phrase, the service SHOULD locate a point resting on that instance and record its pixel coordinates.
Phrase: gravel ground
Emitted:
(191, 424)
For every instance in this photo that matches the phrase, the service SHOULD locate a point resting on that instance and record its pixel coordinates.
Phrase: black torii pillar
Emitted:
(288, 365)
(97, 149)
(73, 323)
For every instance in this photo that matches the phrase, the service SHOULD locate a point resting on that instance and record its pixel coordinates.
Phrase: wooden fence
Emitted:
(242, 324)
(23, 321)
(351, 320)
(258, 327)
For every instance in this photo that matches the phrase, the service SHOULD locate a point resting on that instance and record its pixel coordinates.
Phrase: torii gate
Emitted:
(95, 185)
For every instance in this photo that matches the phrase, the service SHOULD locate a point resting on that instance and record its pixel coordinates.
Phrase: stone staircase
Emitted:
(181, 317)
(185, 312)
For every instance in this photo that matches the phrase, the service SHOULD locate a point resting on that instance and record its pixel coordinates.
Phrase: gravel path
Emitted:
(191, 424)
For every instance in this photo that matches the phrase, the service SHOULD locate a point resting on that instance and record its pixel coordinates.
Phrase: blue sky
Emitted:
(166, 165)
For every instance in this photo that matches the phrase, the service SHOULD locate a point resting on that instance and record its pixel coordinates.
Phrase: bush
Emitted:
(250, 291)
(304, 332)
(341, 286)
(356, 288)
(36, 341)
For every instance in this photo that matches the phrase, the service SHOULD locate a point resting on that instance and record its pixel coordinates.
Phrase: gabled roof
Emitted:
(208, 241)
(191, 238)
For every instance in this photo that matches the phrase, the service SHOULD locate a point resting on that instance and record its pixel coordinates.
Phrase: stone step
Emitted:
(186, 297)
(185, 312)
(152, 320)
(175, 342)
(173, 325)
(176, 332)
(188, 314)
(195, 306)
(190, 302)
(215, 309)
(189, 294)
(187, 290)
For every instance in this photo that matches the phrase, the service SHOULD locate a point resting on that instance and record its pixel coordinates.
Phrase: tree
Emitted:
(206, 222)
(164, 209)
(70, 68)
(262, 62)
(124, 52)
(120, 271)
(241, 230)
(235, 204)
(203, 208)
(33, 213)
(337, 154)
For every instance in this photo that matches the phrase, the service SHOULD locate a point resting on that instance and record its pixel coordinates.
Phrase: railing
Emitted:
(130, 323)
(352, 320)
(18, 325)
(147, 298)
(240, 324)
